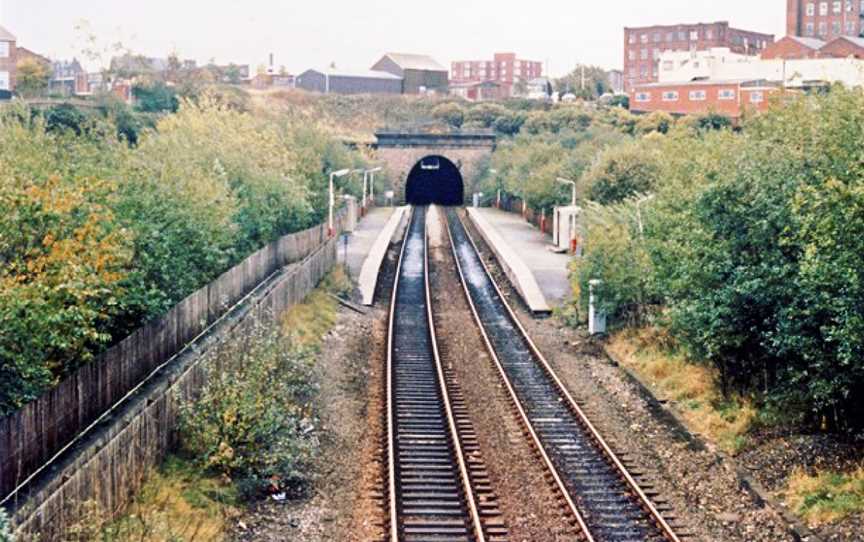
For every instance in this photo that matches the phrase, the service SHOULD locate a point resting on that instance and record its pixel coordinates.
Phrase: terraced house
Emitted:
(8, 61)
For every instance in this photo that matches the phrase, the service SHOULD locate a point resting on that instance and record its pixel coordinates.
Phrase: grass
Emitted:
(825, 497)
(179, 502)
(306, 323)
(723, 421)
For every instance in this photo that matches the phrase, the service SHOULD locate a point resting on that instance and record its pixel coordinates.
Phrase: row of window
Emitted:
(4, 49)
(723, 94)
(679, 35)
(836, 7)
(851, 29)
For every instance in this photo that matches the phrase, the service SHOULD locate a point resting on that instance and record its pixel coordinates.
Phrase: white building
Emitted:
(720, 64)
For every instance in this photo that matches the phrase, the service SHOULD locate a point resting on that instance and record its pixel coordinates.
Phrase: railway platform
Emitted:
(540, 276)
(367, 247)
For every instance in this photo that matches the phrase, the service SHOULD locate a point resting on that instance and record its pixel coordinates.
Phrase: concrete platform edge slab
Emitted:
(514, 266)
(368, 278)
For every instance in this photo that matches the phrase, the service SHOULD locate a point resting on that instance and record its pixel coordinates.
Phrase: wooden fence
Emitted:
(110, 469)
(33, 435)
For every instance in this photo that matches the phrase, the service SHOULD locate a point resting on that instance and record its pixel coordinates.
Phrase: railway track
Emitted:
(438, 488)
(604, 499)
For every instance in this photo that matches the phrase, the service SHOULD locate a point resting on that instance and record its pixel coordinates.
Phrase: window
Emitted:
(726, 94)
(682, 36)
(643, 97)
(862, 7)
(658, 37)
(811, 9)
(644, 54)
(4, 81)
(697, 95)
(631, 54)
(823, 8)
(709, 34)
(643, 71)
(632, 39)
(850, 28)
(809, 30)
(4, 49)
(849, 7)
(835, 28)
(823, 28)
(694, 35)
(757, 97)
(838, 7)
(670, 96)
(644, 38)
(671, 35)
(656, 54)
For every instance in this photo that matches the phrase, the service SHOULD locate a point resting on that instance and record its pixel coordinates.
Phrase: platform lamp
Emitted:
(331, 230)
(370, 174)
(574, 240)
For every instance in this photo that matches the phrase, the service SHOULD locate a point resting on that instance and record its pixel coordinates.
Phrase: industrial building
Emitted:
(420, 74)
(643, 46)
(337, 81)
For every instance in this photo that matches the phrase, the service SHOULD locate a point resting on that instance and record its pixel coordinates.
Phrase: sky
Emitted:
(355, 34)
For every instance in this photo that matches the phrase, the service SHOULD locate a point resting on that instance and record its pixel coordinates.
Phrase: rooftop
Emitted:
(812, 43)
(367, 74)
(416, 62)
(5, 35)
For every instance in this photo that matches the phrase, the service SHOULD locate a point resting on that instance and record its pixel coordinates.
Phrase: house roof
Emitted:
(811, 43)
(416, 62)
(762, 83)
(852, 39)
(5, 35)
(366, 74)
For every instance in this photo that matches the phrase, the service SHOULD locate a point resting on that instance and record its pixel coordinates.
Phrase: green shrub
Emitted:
(253, 421)
(622, 171)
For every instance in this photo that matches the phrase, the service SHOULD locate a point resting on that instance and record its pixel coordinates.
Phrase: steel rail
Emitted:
(642, 499)
(467, 491)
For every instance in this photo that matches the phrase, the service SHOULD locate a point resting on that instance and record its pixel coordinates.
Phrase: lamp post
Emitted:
(573, 184)
(369, 173)
(498, 199)
(331, 230)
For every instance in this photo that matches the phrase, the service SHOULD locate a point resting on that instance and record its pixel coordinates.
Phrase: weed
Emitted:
(825, 497)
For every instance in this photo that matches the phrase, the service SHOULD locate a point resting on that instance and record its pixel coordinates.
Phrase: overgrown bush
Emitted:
(253, 422)
(622, 171)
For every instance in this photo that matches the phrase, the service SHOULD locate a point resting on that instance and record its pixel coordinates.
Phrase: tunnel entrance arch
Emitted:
(435, 179)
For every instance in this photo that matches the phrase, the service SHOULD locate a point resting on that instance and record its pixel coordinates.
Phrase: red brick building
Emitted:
(824, 19)
(731, 98)
(643, 46)
(793, 47)
(8, 60)
(843, 47)
(504, 69)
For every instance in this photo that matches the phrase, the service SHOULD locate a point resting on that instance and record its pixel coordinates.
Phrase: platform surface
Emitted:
(368, 245)
(548, 270)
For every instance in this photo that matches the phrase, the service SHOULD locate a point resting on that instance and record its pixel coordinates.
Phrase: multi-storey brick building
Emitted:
(8, 60)
(643, 46)
(504, 69)
(823, 19)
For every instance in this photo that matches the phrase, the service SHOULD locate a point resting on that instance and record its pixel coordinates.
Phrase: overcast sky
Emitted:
(354, 34)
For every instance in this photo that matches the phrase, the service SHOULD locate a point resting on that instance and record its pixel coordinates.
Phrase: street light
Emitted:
(498, 201)
(331, 230)
(573, 183)
(369, 173)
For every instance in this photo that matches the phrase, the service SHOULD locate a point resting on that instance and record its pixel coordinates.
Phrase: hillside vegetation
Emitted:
(98, 235)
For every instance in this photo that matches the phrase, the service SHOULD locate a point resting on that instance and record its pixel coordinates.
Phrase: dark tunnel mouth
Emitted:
(442, 186)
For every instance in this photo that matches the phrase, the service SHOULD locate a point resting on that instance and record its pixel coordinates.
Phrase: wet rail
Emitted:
(430, 497)
(606, 502)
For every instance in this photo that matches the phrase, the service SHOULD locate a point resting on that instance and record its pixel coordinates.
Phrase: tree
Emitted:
(155, 98)
(33, 78)
(586, 82)
(450, 113)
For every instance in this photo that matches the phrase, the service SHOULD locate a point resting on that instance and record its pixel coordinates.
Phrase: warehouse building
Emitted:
(420, 74)
(337, 81)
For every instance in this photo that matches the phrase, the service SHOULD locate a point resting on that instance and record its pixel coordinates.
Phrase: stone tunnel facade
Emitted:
(399, 152)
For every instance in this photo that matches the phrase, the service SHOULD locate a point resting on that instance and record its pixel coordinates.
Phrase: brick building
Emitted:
(8, 61)
(643, 46)
(419, 73)
(823, 19)
(731, 98)
(338, 81)
(504, 69)
(793, 47)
